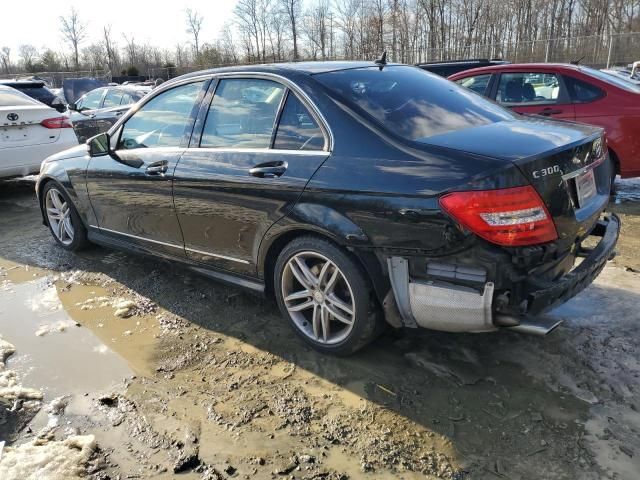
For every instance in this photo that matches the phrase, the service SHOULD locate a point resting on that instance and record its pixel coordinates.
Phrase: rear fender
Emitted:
(310, 218)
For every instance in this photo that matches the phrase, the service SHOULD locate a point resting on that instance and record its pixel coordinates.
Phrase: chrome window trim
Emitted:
(180, 247)
(281, 151)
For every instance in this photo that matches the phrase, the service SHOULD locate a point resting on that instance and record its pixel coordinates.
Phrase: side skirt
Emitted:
(255, 286)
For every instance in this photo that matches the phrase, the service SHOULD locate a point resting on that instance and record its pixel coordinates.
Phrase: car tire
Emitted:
(324, 294)
(63, 219)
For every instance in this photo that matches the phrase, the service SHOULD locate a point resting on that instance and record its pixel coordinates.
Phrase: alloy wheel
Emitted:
(59, 216)
(318, 297)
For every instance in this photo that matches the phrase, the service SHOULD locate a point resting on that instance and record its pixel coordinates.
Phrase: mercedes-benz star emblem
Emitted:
(12, 117)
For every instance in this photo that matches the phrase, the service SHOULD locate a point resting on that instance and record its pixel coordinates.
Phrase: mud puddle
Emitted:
(68, 342)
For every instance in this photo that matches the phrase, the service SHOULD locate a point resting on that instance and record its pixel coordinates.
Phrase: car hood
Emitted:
(515, 140)
(73, 152)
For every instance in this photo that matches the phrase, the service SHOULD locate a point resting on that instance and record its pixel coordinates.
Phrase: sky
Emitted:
(161, 23)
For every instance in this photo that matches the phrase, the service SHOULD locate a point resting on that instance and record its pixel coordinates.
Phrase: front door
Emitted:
(246, 171)
(131, 192)
(538, 93)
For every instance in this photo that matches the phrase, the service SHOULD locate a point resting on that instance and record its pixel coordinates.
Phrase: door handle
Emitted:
(269, 169)
(157, 168)
(550, 111)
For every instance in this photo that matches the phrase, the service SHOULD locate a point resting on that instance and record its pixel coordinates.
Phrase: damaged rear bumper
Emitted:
(446, 306)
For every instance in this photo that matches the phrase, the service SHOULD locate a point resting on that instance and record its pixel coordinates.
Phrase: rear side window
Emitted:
(411, 102)
(582, 92)
(478, 83)
(297, 129)
(113, 98)
(242, 114)
(161, 122)
(9, 98)
(528, 88)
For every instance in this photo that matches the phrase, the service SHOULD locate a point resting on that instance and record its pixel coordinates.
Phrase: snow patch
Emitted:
(60, 327)
(6, 350)
(48, 459)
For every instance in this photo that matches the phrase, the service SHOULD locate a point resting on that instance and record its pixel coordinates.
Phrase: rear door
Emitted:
(534, 92)
(260, 143)
(131, 191)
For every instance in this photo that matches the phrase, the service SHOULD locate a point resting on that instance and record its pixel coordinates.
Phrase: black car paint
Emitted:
(389, 207)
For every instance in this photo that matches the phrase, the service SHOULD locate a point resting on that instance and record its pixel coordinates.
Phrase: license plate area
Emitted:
(585, 187)
(13, 134)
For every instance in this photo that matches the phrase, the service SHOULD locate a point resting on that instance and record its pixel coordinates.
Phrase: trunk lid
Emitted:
(565, 162)
(20, 126)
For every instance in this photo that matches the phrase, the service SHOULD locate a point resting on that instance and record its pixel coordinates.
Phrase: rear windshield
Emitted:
(41, 94)
(612, 79)
(13, 98)
(413, 103)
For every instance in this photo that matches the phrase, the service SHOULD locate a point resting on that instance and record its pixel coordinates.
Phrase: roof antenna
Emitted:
(382, 61)
(577, 62)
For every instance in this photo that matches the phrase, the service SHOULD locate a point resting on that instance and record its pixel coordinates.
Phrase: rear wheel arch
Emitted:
(367, 263)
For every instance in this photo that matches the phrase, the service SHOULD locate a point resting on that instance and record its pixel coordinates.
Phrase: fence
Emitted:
(598, 51)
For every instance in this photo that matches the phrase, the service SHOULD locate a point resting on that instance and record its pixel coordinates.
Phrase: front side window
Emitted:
(297, 129)
(478, 83)
(528, 88)
(410, 102)
(242, 113)
(91, 100)
(161, 122)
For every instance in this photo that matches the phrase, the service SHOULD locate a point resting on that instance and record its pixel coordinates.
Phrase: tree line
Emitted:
(291, 30)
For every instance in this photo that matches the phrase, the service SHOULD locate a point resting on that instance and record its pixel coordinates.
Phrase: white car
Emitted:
(30, 131)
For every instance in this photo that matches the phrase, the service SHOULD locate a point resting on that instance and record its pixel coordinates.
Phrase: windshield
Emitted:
(413, 103)
(612, 79)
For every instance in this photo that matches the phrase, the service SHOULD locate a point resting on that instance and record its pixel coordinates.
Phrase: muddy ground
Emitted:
(195, 380)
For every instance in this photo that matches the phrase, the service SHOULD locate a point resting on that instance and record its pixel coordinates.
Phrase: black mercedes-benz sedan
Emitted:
(358, 194)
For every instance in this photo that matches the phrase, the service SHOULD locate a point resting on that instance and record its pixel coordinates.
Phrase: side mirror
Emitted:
(99, 145)
(73, 106)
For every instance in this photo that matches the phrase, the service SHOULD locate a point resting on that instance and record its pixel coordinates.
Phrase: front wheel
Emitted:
(63, 219)
(325, 296)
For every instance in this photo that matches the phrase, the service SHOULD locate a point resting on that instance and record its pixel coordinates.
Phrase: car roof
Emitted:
(310, 68)
(519, 66)
(22, 83)
(471, 61)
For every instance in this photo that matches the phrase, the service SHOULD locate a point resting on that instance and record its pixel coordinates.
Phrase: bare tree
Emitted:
(74, 32)
(5, 58)
(293, 11)
(110, 48)
(28, 55)
(194, 25)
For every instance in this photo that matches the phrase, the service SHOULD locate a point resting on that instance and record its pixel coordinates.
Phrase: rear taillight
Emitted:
(511, 216)
(57, 122)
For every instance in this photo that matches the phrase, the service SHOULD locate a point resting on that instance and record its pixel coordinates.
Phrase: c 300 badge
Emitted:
(547, 172)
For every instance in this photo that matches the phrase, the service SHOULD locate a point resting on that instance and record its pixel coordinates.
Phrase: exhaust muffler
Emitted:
(539, 326)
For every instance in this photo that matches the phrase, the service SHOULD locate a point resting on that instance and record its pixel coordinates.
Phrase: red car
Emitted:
(568, 92)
